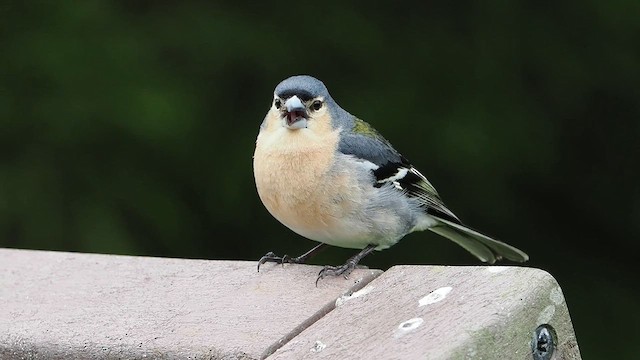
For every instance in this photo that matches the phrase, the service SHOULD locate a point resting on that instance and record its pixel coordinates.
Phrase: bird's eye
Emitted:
(316, 105)
(277, 103)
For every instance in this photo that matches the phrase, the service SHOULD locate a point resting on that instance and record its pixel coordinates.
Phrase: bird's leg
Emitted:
(271, 257)
(348, 267)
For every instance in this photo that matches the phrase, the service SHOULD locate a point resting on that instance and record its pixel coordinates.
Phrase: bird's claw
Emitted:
(268, 257)
(343, 270)
(285, 258)
(271, 257)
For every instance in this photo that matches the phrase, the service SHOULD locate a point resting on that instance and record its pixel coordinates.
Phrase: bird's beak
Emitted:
(295, 113)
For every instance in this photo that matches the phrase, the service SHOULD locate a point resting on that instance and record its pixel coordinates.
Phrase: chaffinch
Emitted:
(332, 178)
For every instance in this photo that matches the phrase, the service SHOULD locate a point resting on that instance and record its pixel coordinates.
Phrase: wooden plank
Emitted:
(440, 312)
(58, 305)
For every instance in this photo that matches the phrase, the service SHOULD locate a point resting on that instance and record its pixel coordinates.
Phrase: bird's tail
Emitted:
(483, 247)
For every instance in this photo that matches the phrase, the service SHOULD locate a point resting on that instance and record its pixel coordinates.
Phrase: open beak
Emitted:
(295, 113)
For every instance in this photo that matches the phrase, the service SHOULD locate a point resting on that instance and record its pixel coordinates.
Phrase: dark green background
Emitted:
(129, 127)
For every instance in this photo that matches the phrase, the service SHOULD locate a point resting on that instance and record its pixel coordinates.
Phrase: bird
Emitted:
(330, 177)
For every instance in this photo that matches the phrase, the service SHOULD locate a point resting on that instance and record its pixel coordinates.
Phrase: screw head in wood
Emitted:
(543, 343)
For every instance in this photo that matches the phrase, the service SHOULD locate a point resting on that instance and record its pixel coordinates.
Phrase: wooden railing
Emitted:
(59, 305)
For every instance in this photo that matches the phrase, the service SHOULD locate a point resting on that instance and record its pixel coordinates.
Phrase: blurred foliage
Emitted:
(128, 127)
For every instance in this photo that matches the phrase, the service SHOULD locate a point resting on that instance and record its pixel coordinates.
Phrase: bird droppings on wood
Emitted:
(556, 296)
(344, 298)
(435, 296)
(408, 326)
(496, 269)
(546, 314)
(317, 347)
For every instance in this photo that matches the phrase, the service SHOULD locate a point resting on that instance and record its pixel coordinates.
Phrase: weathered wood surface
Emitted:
(440, 312)
(57, 305)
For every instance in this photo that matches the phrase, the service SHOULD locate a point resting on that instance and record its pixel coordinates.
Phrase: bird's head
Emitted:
(299, 101)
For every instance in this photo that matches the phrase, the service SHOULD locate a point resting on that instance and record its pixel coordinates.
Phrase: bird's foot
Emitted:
(348, 267)
(286, 259)
(271, 257)
(343, 270)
